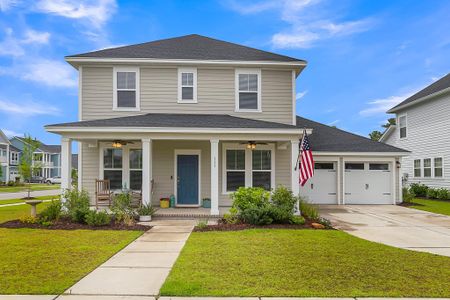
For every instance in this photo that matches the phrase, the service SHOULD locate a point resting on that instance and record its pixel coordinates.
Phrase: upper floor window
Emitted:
(248, 90)
(187, 85)
(126, 89)
(402, 126)
(14, 156)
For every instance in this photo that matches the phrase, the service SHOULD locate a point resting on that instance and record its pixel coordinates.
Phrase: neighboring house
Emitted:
(4, 154)
(200, 117)
(423, 127)
(47, 158)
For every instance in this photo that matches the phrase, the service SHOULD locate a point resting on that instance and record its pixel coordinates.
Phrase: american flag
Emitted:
(306, 160)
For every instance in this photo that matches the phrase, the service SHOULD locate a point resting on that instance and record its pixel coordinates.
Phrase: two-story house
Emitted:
(423, 128)
(46, 158)
(4, 154)
(198, 117)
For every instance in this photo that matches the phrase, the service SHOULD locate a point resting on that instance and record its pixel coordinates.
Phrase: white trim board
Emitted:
(177, 152)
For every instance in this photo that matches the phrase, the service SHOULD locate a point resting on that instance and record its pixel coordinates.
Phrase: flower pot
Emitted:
(206, 203)
(145, 218)
(164, 203)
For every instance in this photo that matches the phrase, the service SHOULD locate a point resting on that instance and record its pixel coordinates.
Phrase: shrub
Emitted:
(257, 215)
(324, 222)
(146, 210)
(245, 198)
(27, 219)
(308, 210)
(122, 210)
(420, 190)
(408, 196)
(297, 220)
(232, 217)
(76, 204)
(442, 194)
(432, 193)
(95, 218)
(52, 212)
(201, 224)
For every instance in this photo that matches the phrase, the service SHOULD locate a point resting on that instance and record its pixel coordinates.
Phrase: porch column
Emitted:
(214, 177)
(8, 161)
(295, 171)
(146, 170)
(66, 164)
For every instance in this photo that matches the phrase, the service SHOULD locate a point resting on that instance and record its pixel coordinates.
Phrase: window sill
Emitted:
(126, 109)
(187, 101)
(248, 110)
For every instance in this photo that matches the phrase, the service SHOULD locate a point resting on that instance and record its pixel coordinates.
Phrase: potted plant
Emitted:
(146, 212)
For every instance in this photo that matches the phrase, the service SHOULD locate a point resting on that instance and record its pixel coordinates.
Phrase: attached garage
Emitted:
(368, 183)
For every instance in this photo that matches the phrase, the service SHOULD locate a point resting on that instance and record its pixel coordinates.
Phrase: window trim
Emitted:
(400, 128)
(248, 164)
(236, 89)
(138, 90)
(180, 85)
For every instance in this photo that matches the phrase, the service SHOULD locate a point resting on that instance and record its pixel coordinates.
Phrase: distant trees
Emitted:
(376, 134)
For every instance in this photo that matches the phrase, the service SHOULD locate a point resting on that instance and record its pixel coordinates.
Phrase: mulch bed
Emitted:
(235, 227)
(66, 224)
(407, 204)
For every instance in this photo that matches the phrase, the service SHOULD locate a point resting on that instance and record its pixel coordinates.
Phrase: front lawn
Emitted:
(303, 263)
(8, 213)
(34, 187)
(434, 206)
(17, 200)
(36, 261)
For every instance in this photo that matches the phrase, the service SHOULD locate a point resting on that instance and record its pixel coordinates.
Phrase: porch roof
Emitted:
(164, 120)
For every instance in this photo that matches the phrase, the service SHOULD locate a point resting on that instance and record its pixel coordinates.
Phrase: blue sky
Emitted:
(363, 56)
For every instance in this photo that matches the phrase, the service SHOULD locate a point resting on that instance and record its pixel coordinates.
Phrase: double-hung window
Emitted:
(187, 85)
(112, 167)
(126, 89)
(417, 168)
(248, 90)
(135, 169)
(438, 167)
(402, 125)
(235, 169)
(427, 167)
(262, 169)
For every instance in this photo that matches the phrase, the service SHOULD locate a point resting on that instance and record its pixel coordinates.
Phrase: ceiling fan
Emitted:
(119, 143)
(252, 144)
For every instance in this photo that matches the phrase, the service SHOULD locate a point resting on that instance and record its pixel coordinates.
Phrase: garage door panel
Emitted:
(321, 188)
(371, 185)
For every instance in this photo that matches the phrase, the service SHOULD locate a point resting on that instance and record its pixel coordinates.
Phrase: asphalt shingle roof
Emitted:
(191, 46)
(179, 120)
(330, 139)
(435, 87)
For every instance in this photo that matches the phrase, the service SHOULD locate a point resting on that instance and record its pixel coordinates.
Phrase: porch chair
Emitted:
(103, 192)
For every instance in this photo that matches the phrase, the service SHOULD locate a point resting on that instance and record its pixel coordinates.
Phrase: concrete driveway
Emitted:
(396, 226)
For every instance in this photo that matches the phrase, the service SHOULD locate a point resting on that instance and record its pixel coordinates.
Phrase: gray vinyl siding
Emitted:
(428, 136)
(215, 93)
(89, 171)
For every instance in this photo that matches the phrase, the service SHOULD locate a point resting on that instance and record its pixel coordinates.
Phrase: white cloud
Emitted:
(95, 12)
(300, 95)
(12, 45)
(307, 22)
(48, 72)
(382, 105)
(7, 4)
(333, 123)
(28, 108)
(11, 133)
(35, 37)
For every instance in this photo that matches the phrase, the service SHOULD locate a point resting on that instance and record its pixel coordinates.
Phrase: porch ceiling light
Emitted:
(251, 145)
(117, 144)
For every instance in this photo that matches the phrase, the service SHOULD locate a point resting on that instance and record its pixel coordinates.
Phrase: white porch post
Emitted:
(294, 171)
(66, 164)
(146, 170)
(214, 177)
(8, 161)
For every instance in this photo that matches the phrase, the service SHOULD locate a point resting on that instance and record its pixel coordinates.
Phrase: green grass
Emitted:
(34, 187)
(36, 261)
(15, 212)
(11, 201)
(434, 206)
(303, 263)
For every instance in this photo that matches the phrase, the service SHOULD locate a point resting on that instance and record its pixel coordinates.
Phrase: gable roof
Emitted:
(387, 133)
(329, 139)
(193, 47)
(159, 120)
(42, 147)
(4, 138)
(438, 86)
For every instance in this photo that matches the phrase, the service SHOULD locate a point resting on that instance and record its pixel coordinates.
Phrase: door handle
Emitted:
(367, 186)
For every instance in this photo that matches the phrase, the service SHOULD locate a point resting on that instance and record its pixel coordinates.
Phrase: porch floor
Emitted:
(188, 212)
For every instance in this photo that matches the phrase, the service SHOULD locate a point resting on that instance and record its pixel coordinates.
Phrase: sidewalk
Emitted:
(19, 195)
(139, 269)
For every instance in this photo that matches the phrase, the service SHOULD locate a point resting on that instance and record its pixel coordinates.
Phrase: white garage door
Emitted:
(368, 183)
(321, 188)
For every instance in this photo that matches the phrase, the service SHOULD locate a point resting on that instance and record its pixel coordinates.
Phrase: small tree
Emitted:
(1, 171)
(375, 135)
(74, 176)
(390, 121)
(26, 168)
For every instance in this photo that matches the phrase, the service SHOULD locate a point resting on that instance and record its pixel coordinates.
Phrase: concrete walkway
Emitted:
(392, 225)
(141, 268)
(19, 195)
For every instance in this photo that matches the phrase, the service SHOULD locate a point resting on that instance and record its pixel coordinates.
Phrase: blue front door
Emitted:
(187, 181)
